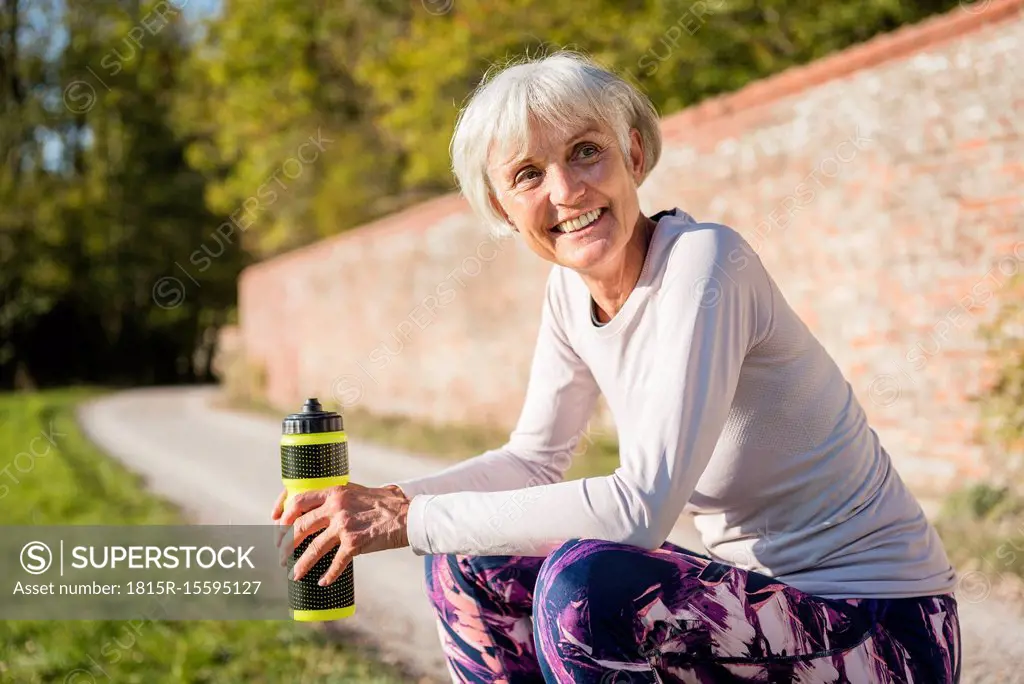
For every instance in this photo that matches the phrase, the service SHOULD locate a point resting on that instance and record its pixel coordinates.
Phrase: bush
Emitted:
(1002, 405)
(984, 502)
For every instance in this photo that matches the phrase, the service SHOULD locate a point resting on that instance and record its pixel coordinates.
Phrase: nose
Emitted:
(564, 185)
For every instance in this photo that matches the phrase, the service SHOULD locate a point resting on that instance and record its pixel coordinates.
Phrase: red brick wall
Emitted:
(882, 187)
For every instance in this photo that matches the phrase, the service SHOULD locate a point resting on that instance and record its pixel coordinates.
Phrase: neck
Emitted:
(611, 291)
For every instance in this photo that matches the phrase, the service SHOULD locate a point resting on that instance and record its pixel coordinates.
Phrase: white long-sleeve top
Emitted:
(726, 407)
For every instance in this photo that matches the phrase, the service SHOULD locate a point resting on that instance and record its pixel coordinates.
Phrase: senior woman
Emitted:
(822, 566)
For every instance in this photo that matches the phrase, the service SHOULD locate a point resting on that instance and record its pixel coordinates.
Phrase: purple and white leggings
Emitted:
(597, 611)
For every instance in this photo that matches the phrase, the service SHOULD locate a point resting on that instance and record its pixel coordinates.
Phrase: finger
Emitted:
(317, 549)
(278, 509)
(338, 565)
(279, 532)
(311, 522)
(284, 549)
(300, 503)
(281, 529)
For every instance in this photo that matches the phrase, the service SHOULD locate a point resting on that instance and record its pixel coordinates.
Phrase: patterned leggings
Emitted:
(596, 611)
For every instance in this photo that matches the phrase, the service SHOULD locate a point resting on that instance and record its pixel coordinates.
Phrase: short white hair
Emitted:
(565, 90)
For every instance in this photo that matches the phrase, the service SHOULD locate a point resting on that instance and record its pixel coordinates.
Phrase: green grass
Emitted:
(73, 483)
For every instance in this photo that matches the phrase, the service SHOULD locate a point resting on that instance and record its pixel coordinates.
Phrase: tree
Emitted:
(102, 202)
(270, 76)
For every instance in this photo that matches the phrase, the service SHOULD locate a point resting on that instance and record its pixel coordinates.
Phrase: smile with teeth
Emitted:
(579, 223)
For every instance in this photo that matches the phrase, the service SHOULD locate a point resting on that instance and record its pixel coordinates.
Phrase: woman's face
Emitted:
(580, 177)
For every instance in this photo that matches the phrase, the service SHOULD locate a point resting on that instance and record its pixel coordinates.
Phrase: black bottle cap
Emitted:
(312, 419)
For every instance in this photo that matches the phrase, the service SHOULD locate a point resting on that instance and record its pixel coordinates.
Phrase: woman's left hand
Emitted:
(354, 518)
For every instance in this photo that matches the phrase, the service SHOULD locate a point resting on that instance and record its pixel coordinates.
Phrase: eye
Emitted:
(524, 175)
(594, 149)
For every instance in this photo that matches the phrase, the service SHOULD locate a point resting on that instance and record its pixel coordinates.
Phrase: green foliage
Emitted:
(980, 502)
(97, 202)
(982, 525)
(268, 77)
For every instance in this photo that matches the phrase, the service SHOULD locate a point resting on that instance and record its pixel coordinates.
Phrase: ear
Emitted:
(636, 155)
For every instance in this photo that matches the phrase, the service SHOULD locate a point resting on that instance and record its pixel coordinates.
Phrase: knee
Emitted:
(584, 589)
(581, 568)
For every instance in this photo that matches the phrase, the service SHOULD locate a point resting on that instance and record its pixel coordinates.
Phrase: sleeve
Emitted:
(560, 398)
(710, 308)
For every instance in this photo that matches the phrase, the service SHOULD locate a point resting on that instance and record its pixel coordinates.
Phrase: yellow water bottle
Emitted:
(314, 455)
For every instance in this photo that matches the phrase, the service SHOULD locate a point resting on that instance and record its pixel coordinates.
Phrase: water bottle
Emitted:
(314, 455)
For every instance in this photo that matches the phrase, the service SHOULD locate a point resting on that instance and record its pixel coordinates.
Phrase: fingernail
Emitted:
(322, 582)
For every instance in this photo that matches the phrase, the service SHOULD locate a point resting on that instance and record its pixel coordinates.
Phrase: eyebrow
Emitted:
(515, 163)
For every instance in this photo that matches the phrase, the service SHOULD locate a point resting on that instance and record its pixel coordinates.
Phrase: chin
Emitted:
(584, 257)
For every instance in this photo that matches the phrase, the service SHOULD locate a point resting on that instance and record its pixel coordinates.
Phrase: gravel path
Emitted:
(223, 467)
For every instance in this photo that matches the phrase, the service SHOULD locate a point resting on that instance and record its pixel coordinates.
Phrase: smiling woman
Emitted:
(822, 565)
(564, 172)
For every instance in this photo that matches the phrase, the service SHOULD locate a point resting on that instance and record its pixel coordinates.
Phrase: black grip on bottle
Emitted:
(306, 594)
(304, 461)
